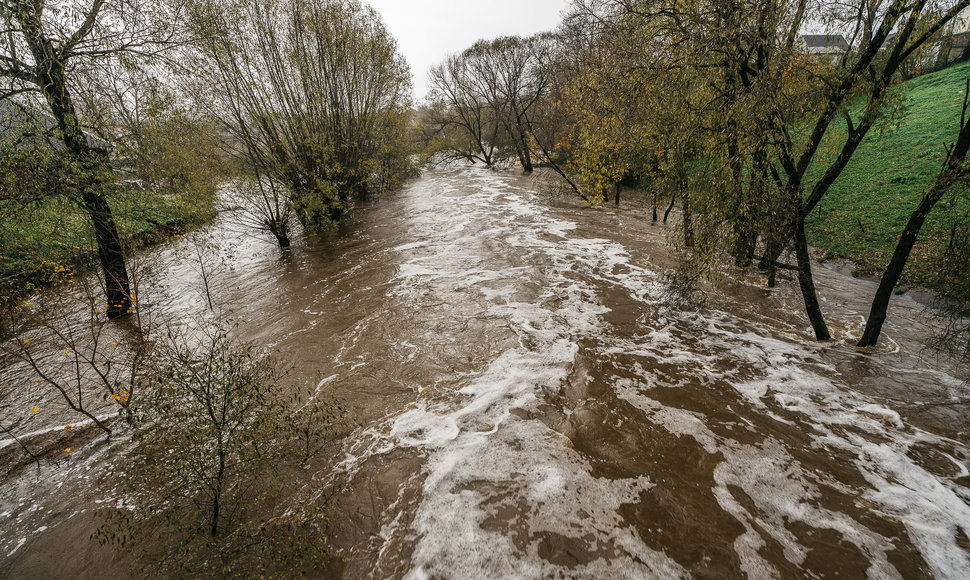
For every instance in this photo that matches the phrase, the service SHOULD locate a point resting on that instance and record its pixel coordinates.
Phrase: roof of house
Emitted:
(824, 42)
(22, 126)
(12, 120)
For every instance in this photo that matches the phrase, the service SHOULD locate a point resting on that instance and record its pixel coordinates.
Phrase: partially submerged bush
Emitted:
(213, 485)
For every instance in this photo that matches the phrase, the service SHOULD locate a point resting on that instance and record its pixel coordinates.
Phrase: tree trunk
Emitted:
(616, 200)
(894, 270)
(52, 82)
(526, 154)
(688, 225)
(951, 172)
(110, 254)
(283, 240)
(745, 248)
(746, 225)
(520, 153)
(279, 230)
(670, 208)
(215, 515)
(217, 492)
(807, 282)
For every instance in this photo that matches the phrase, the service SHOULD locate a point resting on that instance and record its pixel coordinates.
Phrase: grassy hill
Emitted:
(886, 179)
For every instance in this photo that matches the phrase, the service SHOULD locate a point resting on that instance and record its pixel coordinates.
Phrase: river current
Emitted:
(532, 406)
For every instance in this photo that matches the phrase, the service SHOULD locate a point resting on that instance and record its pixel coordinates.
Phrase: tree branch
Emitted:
(90, 20)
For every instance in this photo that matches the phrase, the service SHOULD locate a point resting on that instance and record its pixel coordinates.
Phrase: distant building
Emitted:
(17, 126)
(958, 45)
(22, 126)
(823, 44)
(954, 46)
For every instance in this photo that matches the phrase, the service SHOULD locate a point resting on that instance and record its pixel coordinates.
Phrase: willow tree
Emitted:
(43, 46)
(513, 75)
(313, 95)
(482, 100)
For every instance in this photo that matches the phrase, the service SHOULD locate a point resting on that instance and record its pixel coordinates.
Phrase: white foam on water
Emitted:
(20, 544)
(931, 511)
(933, 508)
(792, 376)
(497, 483)
(487, 464)
(412, 246)
(500, 488)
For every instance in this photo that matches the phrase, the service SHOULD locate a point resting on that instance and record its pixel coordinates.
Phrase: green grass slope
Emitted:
(887, 177)
(46, 243)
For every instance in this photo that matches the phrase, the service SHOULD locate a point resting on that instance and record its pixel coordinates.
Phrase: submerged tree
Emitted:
(461, 123)
(313, 96)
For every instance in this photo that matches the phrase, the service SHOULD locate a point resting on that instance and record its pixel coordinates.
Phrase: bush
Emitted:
(212, 481)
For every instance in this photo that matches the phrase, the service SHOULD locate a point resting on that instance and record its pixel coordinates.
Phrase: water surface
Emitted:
(531, 406)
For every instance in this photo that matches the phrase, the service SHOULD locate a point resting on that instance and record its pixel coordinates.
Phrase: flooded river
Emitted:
(531, 406)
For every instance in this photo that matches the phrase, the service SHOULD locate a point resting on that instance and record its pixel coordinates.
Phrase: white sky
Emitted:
(429, 30)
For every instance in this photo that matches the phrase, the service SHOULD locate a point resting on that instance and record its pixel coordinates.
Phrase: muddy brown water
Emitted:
(531, 407)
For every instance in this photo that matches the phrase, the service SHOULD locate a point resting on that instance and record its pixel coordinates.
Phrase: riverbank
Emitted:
(50, 242)
(868, 206)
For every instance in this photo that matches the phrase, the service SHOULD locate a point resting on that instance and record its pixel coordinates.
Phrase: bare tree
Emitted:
(511, 72)
(463, 123)
(483, 99)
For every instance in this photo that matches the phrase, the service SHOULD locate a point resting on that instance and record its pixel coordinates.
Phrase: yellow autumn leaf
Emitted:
(67, 450)
(68, 427)
(35, 409)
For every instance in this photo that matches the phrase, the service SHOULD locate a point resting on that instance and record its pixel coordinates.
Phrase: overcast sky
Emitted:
(429, 30)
